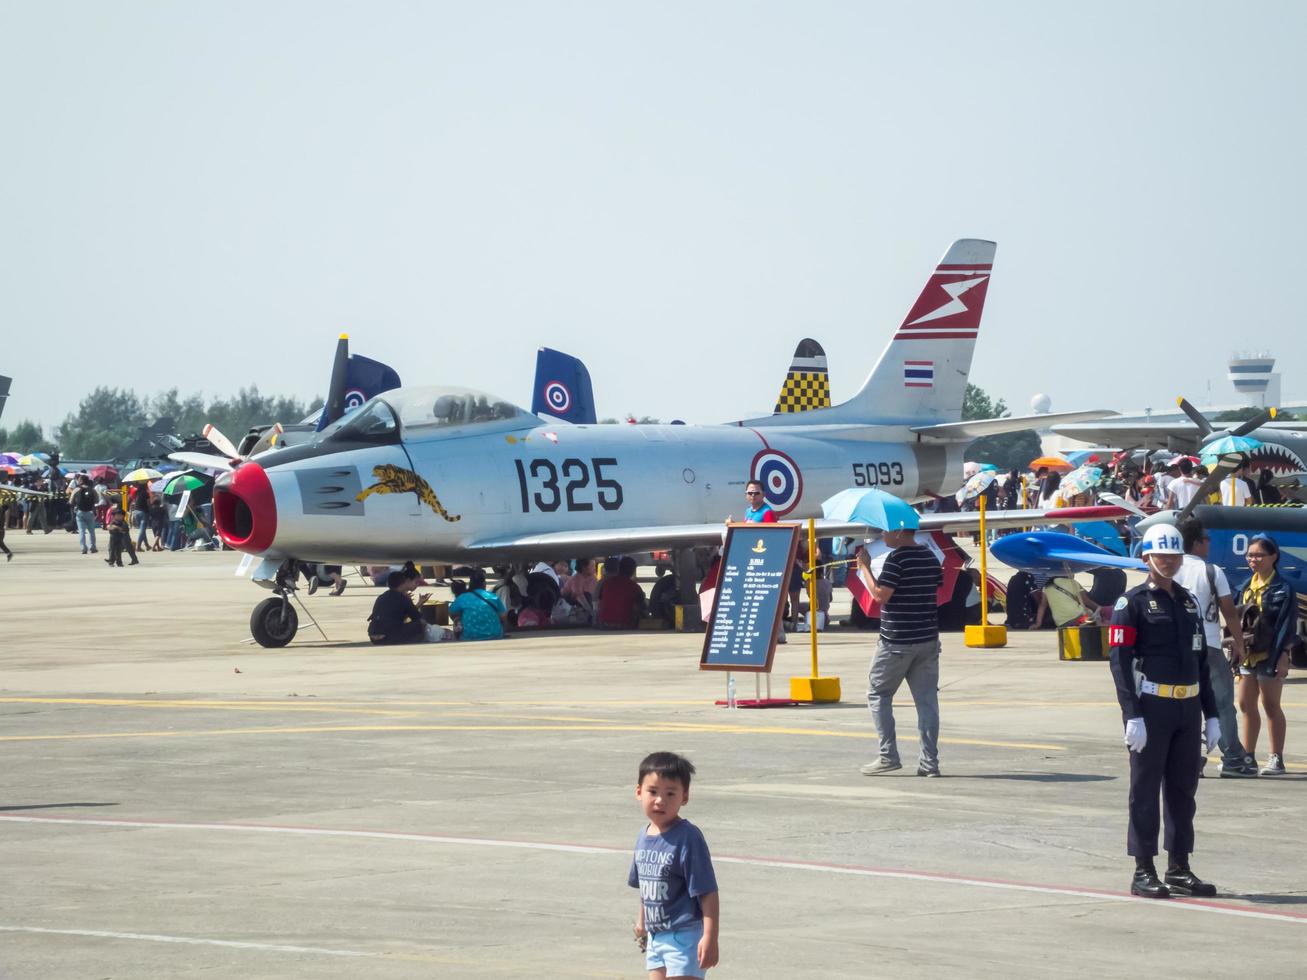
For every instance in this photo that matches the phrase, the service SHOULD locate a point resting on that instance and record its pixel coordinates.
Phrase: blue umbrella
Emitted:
(872, 507)
(1228, 444)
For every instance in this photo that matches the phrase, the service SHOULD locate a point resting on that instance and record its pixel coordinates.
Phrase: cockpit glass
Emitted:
(448, 407)
(374, 422)
(424, 409)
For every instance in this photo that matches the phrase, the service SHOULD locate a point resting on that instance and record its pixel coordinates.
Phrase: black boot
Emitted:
(1146, 884)
(1183, 881)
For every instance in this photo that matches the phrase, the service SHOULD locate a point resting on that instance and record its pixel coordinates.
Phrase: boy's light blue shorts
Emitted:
(676, 951)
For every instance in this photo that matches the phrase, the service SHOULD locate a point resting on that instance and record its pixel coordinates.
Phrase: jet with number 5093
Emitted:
(437, 474)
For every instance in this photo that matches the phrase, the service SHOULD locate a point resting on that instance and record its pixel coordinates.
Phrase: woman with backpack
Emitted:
(1266, 664)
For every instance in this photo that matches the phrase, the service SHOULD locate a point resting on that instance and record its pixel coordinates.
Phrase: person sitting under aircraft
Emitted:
(395, 617)
(579, 591)
(621, 601)
(1066, 601)
(478, 612)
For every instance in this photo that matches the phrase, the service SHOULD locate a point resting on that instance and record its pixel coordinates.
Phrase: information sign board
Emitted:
(750, 599)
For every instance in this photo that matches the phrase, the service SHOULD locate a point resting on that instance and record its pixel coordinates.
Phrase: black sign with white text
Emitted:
(750, 599)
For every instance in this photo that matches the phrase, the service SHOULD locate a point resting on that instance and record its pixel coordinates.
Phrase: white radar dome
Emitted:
(1041, 404)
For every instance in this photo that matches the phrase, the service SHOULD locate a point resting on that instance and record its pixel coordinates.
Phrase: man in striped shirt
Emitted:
(908, 648)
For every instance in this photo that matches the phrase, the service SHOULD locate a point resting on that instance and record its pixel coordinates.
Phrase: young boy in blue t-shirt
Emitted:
(679, 906)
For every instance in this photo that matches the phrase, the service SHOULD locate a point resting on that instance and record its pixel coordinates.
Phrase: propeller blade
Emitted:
(268, 439)
(1256, 422)
(203, 461)
(220, 442)
(1197, 417)
(1225, 465)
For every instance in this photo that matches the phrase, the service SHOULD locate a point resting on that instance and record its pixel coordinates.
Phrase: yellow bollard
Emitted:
(814, 688)
(984, 635)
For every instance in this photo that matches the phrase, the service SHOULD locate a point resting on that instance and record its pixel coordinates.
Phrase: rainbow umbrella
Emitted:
(1080, 480)
(978, 484)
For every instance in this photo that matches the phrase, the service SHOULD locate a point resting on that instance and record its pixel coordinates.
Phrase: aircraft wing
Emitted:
(1132, 432)
(976, 428)
(634, 539)
(1080, 558)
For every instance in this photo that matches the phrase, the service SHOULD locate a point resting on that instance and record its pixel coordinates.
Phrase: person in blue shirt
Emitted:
(679, 903)
(480, 613)
(757, 510)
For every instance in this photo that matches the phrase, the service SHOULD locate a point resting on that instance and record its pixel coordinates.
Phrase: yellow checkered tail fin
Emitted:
(807, 383)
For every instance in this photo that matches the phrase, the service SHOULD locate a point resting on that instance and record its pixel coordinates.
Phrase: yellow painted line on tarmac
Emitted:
(213, 705)
(662, 727)
(319, 705)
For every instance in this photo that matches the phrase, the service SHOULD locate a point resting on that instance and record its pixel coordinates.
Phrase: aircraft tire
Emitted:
(271, 626)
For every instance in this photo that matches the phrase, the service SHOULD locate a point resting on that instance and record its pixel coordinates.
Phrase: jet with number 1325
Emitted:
(448, 474)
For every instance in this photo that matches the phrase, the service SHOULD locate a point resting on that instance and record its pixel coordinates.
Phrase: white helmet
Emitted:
(1161, 539)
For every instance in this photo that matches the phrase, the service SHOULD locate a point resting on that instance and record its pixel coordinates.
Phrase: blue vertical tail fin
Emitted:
(562, 388)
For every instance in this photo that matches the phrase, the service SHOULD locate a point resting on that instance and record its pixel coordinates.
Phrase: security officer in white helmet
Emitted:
(1159, 663)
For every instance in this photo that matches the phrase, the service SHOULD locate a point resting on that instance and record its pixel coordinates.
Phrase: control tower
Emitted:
(1254, 377)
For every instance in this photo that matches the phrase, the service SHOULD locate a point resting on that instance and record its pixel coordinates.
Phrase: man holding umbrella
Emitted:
(908, 648)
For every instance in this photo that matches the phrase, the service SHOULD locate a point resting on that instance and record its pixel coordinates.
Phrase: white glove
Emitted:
(1136, 735)
(1213, 735)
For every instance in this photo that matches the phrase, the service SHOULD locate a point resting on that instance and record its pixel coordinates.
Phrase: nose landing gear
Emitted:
(274, 621)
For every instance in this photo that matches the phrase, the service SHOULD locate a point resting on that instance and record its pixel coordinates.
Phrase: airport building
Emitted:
(1254, 377)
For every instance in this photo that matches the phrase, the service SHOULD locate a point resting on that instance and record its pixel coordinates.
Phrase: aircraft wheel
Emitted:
(274, 623)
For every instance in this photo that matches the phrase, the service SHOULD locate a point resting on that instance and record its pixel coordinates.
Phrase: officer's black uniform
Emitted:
(1158, 636)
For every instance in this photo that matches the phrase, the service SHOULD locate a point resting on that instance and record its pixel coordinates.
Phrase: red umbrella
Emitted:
(103, 472)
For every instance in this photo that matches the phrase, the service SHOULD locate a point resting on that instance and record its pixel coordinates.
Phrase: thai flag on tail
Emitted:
(918, 374)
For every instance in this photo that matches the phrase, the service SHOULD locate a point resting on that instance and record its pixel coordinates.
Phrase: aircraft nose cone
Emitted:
(244, 508)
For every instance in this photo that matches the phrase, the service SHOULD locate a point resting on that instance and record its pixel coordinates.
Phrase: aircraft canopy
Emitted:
(443, 406)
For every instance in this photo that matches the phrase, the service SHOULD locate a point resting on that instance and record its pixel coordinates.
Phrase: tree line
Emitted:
(110, 418)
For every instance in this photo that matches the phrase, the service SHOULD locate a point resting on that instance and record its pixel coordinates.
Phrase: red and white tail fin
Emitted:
(921, 377)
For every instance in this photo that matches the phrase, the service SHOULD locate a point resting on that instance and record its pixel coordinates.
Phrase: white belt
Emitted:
(1179, 692)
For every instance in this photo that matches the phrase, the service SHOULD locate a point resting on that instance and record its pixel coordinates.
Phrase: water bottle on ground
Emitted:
(730, 691)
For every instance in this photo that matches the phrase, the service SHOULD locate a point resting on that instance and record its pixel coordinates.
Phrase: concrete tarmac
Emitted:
(176, 802)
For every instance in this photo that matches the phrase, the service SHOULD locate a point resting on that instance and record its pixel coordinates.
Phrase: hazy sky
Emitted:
(205, 195)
